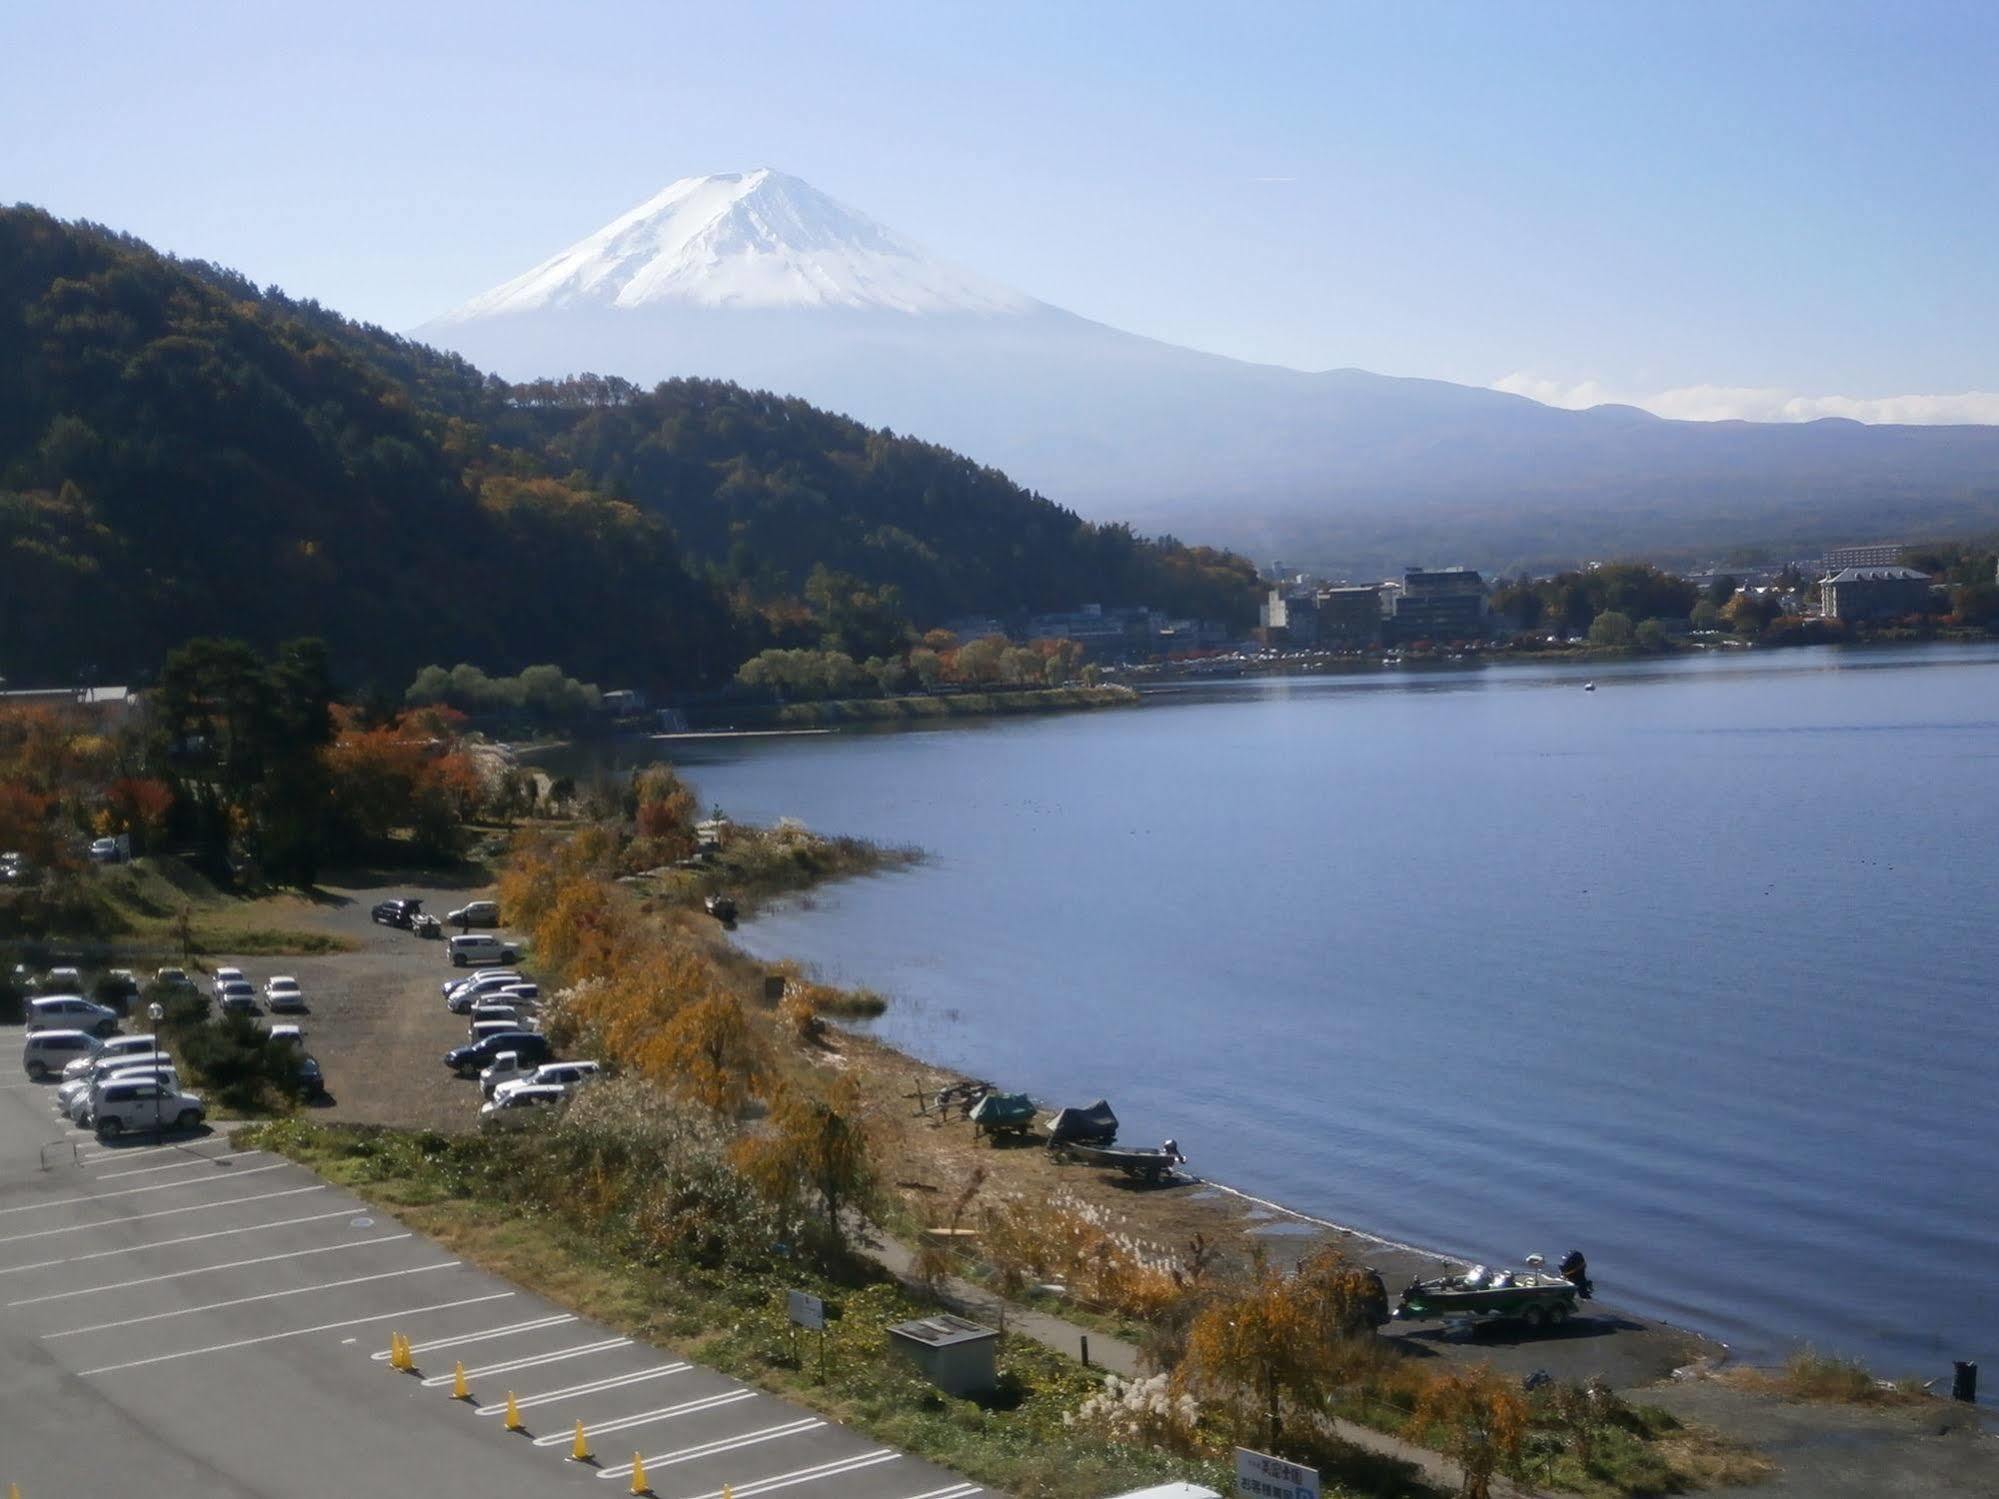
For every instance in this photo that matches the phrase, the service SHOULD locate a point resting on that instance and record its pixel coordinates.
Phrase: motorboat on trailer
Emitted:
(1531, 1296)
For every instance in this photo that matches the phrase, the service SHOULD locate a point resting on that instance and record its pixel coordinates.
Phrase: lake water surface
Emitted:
(1692, 972)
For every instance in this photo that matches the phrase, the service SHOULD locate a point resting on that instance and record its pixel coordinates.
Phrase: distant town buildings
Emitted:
(104, 704)
(1443, 604)
(1857, 594)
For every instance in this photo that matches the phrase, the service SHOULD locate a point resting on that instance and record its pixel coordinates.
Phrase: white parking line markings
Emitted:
(711, 1449)
(646, 1418)
(199, 1207)
(57, 1202)
(581, 1350)
(592, 1387)
(479, 1337)
(220, 1233)
(299, 1332)
(834, 1469)
(195, 1160)
(956, 1491)
(296, 1254)
(216, 1306)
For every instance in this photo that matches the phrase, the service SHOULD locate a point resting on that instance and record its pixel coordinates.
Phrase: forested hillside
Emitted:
(178, 461)
(182, 454)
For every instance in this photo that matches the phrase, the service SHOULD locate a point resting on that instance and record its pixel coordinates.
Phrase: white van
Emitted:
(47, 1053)
(471, 948)
(68, 1012)
(144, 1104)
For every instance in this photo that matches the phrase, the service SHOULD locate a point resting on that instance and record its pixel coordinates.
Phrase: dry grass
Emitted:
(1830, 1379)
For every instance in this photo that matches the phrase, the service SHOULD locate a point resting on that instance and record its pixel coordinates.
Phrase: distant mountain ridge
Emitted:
(182, 453)
(758, 278)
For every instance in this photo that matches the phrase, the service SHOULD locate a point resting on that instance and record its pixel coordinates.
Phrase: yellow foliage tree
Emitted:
(1282, 1339)
(1483, 1417)
(815, 1150)
(707, 1052)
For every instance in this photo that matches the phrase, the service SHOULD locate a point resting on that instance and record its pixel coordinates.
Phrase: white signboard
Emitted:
(1261, 1477)
(808, 1310)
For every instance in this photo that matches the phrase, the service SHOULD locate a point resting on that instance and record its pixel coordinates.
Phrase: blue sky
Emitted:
(1752, 200)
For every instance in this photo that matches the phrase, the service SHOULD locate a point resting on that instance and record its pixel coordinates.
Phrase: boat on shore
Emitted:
(1531, 1296)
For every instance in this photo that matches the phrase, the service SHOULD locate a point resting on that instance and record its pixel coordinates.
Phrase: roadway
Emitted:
(198, 1322)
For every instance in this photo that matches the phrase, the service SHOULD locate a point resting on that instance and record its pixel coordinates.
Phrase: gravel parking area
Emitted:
(376, 1021)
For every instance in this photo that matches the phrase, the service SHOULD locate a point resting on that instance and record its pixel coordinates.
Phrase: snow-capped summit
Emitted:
(742, 240)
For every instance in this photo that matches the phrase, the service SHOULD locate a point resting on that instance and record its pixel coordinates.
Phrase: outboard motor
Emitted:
(1575, 1270)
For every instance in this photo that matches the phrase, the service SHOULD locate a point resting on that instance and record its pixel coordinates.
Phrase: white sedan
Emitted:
(520, 1106)
(568, 1076)
(282, 992)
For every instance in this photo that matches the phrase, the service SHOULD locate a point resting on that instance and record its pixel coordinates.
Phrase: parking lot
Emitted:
(191, 1320)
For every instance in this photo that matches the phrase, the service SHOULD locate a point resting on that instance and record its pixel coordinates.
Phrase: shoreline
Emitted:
(928, 1162)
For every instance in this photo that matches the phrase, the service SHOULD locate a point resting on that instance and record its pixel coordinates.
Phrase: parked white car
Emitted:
(490, 1010)
(470, 948)
(281, 992)
(236, 997)
(106, 851)
(81, 1104)
(568, 1076)
(121, 1106)
(47, 1053)
(475, 913)
(463, 998)
(463, 980)
(507, 1067)
(520, 1106)
(67, 1012)
(62, 981)
(104, 1053)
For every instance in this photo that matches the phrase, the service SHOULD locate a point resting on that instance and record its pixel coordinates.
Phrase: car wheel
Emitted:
(38, 1070)
(1532, 1318)
(187, 1119)
(109, 1126)
(105, 1028)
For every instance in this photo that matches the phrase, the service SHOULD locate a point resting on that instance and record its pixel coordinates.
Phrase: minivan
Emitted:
(67, 1012)
(48, 1052)
(470, 948)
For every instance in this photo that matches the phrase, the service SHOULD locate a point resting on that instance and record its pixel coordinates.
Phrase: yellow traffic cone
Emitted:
(13, 1491)
(727, 1492)
(459, 1389)
(398, 1358)
(639, 1484)
(513, 1413)
(579, 1450)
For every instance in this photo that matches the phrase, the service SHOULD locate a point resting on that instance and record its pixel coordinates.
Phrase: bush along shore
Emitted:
(737, 1150)
(915, 708)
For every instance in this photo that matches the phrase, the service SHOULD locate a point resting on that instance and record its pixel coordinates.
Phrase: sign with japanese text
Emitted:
(1261, 1477)
(808, 1310)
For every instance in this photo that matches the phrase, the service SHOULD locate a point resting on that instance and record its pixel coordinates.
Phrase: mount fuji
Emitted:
(759, 278)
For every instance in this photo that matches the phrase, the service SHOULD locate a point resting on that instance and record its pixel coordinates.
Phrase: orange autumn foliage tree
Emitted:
(1483, 1418)
(1282, 1340)
(815, 1151)
(708, 1052)
(138, 805)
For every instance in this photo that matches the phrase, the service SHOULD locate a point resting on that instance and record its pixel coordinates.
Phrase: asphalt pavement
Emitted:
(193, 1322)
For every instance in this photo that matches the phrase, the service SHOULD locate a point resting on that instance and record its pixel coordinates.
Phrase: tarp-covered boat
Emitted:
(1002, 1114)
(1096, 1125)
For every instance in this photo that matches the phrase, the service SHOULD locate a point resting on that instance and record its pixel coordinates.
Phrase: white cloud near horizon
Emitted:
(1749, 403)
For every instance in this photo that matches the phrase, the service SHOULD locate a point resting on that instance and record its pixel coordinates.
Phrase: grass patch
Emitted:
(459, 1190)
(162, 904)
(1831, 1379)
(848, 1004)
